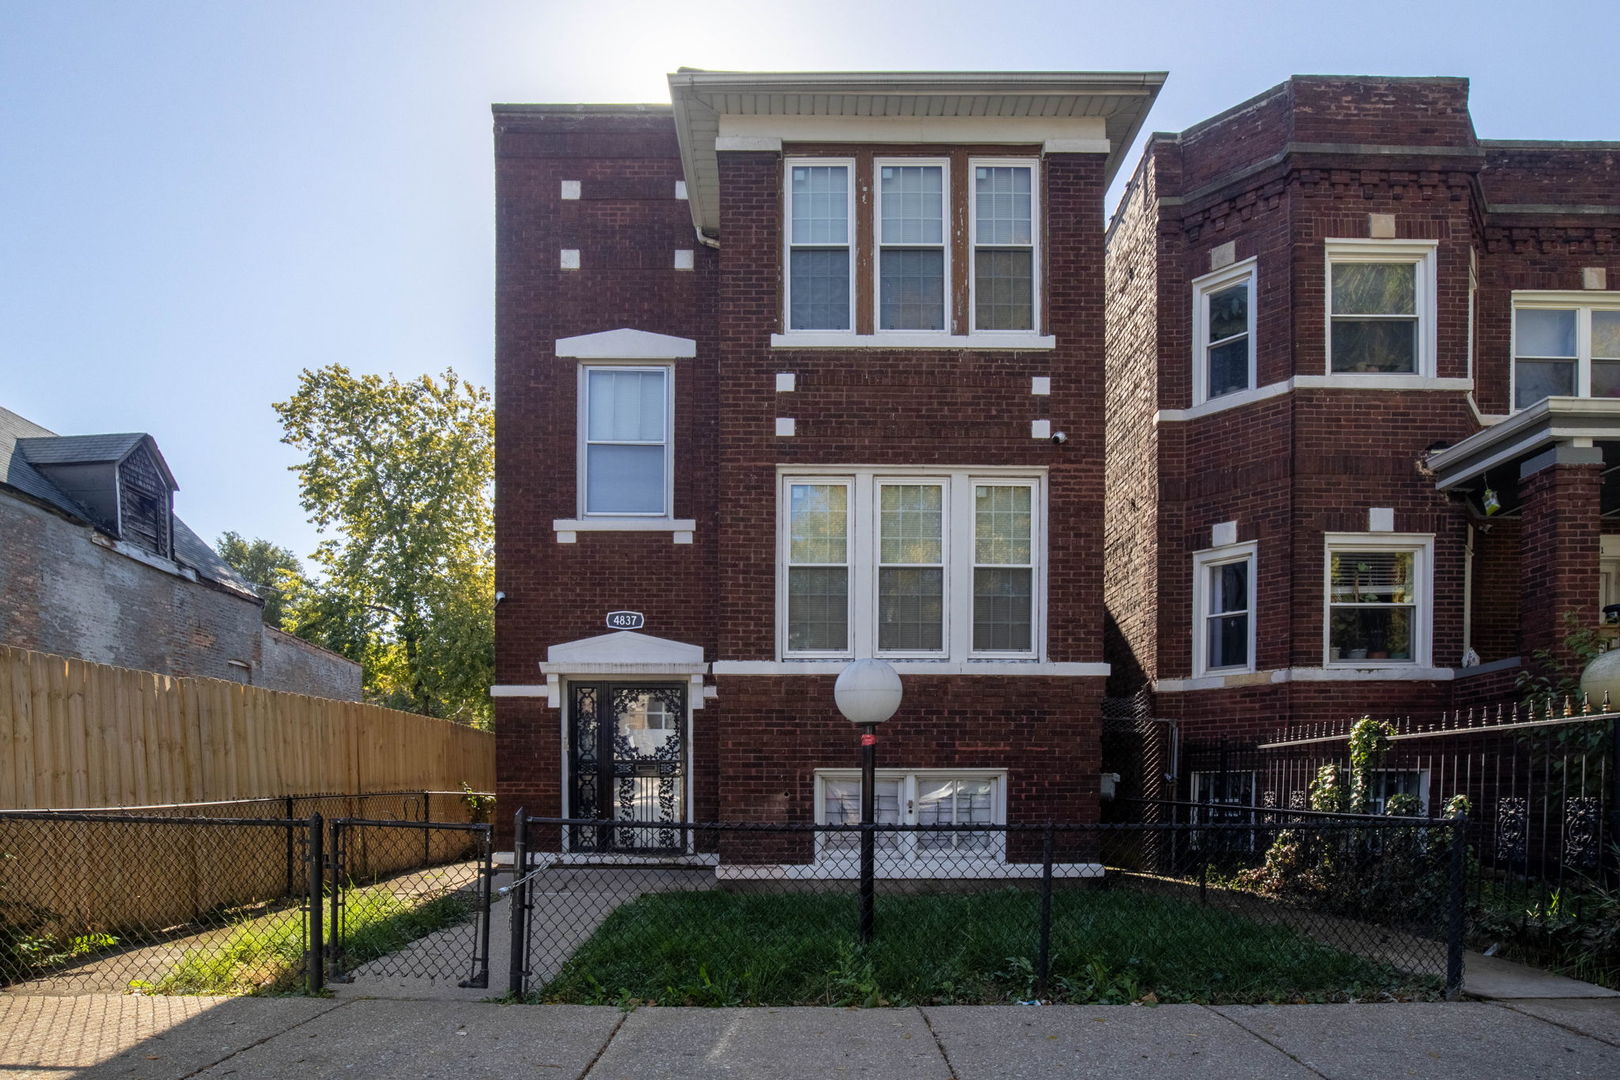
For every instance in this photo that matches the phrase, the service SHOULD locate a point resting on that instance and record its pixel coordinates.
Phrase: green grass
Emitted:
(266, 955)
(722, 948)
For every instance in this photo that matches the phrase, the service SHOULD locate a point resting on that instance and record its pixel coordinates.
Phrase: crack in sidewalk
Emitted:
(1241, 1026)
(267, 1038)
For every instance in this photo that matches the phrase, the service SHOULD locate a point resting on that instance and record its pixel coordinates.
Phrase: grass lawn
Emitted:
(723, 948)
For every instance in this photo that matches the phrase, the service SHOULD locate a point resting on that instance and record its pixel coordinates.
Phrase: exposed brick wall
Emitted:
(1558, 568)
(291, 663)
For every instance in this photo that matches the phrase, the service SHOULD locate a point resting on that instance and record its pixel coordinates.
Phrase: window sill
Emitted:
(567, 529)
(908, 339)
(915, 667)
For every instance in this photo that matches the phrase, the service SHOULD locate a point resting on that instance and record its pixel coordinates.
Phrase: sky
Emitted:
(200, 199)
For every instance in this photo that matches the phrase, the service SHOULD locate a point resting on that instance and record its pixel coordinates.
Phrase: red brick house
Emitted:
(1358, 442)
(802, 369)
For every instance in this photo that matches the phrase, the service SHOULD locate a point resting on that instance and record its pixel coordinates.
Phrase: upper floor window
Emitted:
(934, 565)
(1380, 306)
(1223, 332)
(950, 248)
(1565, 344)
(625, 460)
(819, 246)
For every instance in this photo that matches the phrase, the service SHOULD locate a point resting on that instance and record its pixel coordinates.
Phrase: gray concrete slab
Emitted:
(1495, 978)
(1435, 1040)
(100, 1036)
(1597, 1017)
(851, 1044)
(1166, 1042)
(431, 1040)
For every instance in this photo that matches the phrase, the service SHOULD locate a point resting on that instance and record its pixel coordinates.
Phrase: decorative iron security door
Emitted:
(627, 762)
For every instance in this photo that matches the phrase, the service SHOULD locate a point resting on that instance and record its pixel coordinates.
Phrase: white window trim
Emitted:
(958, 536)
(944, 166)
(582, 420)
(788, 245)
(1035, 220)
(1421, 545)
(1203, 562)
(1584, 304)
(907, 855)
(1423, 255)
(1203, 288)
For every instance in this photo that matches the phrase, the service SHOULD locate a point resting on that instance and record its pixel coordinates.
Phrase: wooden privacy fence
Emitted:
(78, 734)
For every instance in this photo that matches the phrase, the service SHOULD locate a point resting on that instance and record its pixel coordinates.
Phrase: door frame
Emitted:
(565, 790)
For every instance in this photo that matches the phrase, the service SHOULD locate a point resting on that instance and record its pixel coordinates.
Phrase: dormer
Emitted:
(121, 481)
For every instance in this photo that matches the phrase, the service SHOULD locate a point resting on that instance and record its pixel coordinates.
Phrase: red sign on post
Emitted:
(869, 740)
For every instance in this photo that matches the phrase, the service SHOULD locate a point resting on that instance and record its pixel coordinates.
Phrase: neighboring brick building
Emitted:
(1337, 482)
(858, 412)
(94, 564)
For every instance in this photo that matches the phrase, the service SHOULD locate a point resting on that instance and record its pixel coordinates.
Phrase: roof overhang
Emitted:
(1064, 111)
(1554, 421)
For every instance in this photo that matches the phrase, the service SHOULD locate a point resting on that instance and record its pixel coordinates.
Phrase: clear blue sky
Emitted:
(198, 199)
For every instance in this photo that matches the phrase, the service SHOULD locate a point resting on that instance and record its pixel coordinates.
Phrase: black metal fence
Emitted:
(1281, 906)
(170, 901)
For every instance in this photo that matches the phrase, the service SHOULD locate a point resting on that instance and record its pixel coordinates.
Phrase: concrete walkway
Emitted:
(105, 1036)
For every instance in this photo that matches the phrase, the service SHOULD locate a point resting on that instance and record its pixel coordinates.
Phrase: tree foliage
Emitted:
(273, 571)
(401, 473)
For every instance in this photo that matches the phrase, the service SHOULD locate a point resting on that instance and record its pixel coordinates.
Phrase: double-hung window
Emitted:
(913, 258)
(1380, 306)
(930, 565)
(1223, 332)
(1565, 344)
(1378, 599)
(915, 797)
(1223, 610)
(1004, 294)
(820, 245)
(625, 420)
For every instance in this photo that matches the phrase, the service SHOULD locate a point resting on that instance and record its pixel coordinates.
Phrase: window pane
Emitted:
(1002, 204)
(819, 530)
(1371, 577)
(1001, 524)
(818, 609)
(1606, 334)
(1001, 609)
(1537, 379)
(1376, 633)
(1003, 289)
(1229, 587)
(954, 802)
(1229, 641)
(911, 523)
(912, 287)
(841, 805)
(1229, 311)
(819, 287)
(1364, 288)
(1544, 333)
(1605, 378)
(911, 609)
(624, 479)
(1369, 345)
(820, 204)
(1229, 367)
(913, 204)
(626, 406)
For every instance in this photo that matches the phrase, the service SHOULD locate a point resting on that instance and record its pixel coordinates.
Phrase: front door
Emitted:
(627, 762)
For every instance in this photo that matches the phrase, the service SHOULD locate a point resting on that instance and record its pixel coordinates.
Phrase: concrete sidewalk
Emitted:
(104, 1036)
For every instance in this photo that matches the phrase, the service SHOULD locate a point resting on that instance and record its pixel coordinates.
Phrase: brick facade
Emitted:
(1303, 456)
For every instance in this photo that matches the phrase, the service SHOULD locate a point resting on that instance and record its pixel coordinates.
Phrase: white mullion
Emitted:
(1583, 351)
(863, 578)
(959, 585)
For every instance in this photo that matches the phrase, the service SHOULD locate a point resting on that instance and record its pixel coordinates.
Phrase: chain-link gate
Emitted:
(409, 899)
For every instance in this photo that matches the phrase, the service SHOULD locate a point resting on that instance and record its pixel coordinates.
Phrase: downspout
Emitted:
(1468, 597)
(705, 239)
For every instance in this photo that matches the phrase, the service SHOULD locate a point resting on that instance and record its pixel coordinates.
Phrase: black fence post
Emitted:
(1043, 962)
(486, 873)
(315, 963)
(1455, 907)
(516, 973)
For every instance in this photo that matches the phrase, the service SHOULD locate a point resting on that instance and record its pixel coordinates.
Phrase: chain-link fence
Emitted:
(168, 900)
(1288, 906)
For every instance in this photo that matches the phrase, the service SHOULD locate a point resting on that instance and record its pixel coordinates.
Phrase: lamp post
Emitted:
(867, 693)
(1600, 682)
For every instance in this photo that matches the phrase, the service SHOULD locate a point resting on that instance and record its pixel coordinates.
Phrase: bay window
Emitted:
(1565, 344)
(934, 564)
(1378, 599)
(1380, 306)
(1223, 610)
(1223, 332)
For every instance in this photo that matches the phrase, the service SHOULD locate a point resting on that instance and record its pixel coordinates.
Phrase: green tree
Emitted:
(403, 474)
(273, 571)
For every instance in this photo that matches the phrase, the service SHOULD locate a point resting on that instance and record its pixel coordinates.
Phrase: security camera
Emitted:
(499, 596)
(1059, 438)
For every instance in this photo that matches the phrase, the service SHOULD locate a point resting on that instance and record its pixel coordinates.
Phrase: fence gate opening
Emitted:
(408, 899)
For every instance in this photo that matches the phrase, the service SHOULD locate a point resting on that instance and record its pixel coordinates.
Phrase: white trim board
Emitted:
(625, 344)
(916, 667)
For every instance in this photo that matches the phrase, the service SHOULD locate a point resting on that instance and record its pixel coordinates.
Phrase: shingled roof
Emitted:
(24, 445)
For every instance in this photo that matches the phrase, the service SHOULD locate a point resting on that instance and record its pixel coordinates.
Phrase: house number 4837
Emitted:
(626, 620)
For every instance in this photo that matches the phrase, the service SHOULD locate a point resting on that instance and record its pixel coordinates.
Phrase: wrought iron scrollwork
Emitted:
(1583, 816)
(1512, 837)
